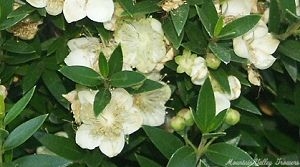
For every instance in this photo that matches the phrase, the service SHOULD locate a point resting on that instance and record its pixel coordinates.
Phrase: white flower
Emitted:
(108, 130)
(297, 7)
(53, 7)
(199, 71)
(222, 102)
(152, 105)
(84, 52)
(235, 87)
(185, 62)
(238, 7)
(3, 91)
(257, 46)
(142, 44)
(96, 10)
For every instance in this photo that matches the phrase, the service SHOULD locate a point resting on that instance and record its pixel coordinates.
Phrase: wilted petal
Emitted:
(74, 10)
(267, 44)
(240, 47)
(112, 146)
(261, 60)
(37, 3)
(85, 138)
(100, 10)
(222, 102)
(54, 7)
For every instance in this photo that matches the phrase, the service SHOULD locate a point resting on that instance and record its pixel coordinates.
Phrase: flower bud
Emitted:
(177, 123)
(232, 117)
(212, 61)
(186, 114)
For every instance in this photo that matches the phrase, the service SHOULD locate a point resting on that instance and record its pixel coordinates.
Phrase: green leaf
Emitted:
(245, 104)
(227, 155)
(82, 75)
(274, 17)
(102, 98)
(289, 112)
(146, 7)
(281, 141)
(115, 62)
(146, 162)
(171, 33)
(103, 33)
(291, 67)
(103, 65)
(61, 146)
(19, 46)
(39, 160)
(179, 17)
(290, 49)
(127, 5)
(33, 75)
(148, 85)
(239, 27)
(11, 21)
(18, 107)
(222, 78)
(208, 16)
(22, 132)
(59, 21)
(217, 121)
(206, 107)
(219, 26)
(21, 11)
(222, 52)
(211, 135)
(3, 134)
(165, 142)
(6, 7)
(55, 86)
(183, 157)
(125, 79)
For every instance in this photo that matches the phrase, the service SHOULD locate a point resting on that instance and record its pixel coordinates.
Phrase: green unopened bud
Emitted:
(177, 123)
(232, 117)
(186, 114)
(212, 61)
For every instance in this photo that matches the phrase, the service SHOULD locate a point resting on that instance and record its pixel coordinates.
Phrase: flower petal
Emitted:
(85, 138)
(199, 71)
(222, 102)
(240, 47)
(54, 7)
(74, 10)
(112, 146)
(132, 121)
(100, 10)
(81, 58)
(261, 60)
(83, 43)
(37, 3)
(235, 87)
(267, 44)
(155, 117)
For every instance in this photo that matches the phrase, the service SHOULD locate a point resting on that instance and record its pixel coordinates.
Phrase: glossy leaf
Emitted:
(179, 17)
(12, 21)
(171, 33)
(148, 85)
(274, 17)
(146, 162)
(206, 108)
(227, 155)
(208, 16)
(102, 98)
(103, 65)
(239, 26)
(61, 146)
(183, 157)
(55, 85)
(82, 75)
(220, 51)
(290, 49)
(18, 47)
(115, 62)
(22, 132)
(222, 78)
(42, 160)
(18, 107)
(124, 79)
(164, 141)
(245, 104)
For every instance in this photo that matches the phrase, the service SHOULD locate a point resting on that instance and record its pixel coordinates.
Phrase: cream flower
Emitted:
(199, 71)
(257, 46)
(108, 130)
(84, 52)
(96, 10)
(297, 7)
(142, 44)
(238, 8)
(151, 105)
(185, 62)
(53, 7)
(3, 91)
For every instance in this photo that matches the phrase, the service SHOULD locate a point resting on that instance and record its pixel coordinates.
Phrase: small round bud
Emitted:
(212, 61)
(186, 114)
(177, 123)
(232, 117)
